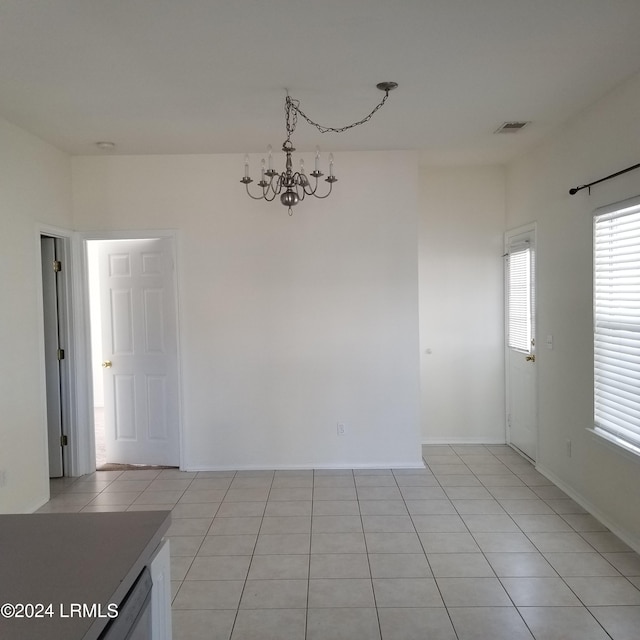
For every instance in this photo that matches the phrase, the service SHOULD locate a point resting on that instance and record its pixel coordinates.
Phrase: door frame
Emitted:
(69, 396)
(86, 453)
(530, 228)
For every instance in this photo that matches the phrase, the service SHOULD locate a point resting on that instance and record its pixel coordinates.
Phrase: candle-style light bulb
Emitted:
(331, 165)
(317, 158)
(302, 166)
(270, 157)
(262, 168)
(246, 165)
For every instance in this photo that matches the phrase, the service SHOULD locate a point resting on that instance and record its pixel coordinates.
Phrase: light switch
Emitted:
(550, 342)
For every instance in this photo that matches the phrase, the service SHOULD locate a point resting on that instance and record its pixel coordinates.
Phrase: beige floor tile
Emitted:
(335, 508)
(279, 567)
(336, 524)
(489, 623)
(186, 510)
(604, 591)
(621, 623)
(189, 526)
(289, 508)
(460, 565)
(415, 624)
(270, 624)
(344, 592)
(389, 493)
(340, 565)
(473, 592)
(581, 564)
(289, 494)
(437, 507)
(235, 525)
(399, 565)
(338, 543)
(274, 594)
(559, 541)
(504, 542)
(539, 592)
(627, 563)
(334, 493)
(406, 592)
(562, 623)
(448, 543)
(342, 624)
(218, 568)
(283, 543)
(286, 524)
(439, 524)
(202, 625)
(383, 508)
(240, 509)
(393, 543)
(520, 565)
(208, 594)
(388, 524)
(234, 545)
(489, 523)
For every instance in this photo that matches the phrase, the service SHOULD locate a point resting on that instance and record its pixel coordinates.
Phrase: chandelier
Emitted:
(292, 186)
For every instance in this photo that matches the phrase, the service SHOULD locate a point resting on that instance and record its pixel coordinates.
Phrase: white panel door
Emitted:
(139, 342)
(521, 379)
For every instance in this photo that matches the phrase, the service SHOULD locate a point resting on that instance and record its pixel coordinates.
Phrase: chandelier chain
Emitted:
(292, 109)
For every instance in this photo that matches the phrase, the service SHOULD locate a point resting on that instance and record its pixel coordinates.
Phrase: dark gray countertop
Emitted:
(64, 558)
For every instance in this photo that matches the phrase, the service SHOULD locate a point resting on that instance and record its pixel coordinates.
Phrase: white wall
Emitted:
(35, 188)
(462, 221)
(288, 325)
(602, 140)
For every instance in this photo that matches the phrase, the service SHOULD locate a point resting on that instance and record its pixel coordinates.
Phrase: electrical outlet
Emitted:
(341, 429)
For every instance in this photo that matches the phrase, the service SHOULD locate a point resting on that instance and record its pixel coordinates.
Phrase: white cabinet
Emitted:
(160, 568)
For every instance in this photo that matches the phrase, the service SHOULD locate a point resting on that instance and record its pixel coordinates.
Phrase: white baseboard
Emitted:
(627, 537)
(480, 440)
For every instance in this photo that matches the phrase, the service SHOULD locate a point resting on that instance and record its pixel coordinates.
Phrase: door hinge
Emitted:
(60, 354)
(57, 266)
(64, 441)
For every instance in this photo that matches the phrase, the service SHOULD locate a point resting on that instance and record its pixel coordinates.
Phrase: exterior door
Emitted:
(520, 356)
(139, 343)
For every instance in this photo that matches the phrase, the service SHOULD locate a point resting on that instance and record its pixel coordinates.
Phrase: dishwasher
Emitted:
(134, 613)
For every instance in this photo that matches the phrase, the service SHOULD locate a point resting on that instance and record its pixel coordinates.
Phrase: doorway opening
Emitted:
(134, 351)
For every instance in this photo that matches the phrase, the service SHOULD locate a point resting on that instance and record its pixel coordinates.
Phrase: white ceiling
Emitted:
(209, 76)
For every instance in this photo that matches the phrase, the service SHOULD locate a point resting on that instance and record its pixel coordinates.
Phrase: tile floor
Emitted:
(476, 546)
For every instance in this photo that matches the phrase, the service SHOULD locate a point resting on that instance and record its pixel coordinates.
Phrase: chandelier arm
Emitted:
(265, 193)
(326, 194)
(295, 105)
(252, 196)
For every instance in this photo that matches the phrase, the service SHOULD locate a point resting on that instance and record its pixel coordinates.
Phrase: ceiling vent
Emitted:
(511, 127)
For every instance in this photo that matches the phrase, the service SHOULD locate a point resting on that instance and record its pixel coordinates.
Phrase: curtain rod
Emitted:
(613, 175)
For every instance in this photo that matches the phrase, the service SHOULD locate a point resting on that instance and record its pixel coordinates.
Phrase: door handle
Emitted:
(107, 364)
(531, 358)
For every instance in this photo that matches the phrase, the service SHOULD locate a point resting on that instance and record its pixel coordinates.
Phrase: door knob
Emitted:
(531, 358)
(107, 364)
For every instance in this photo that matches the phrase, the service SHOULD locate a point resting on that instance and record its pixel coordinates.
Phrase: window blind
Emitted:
(617, 325)
(519, 281)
